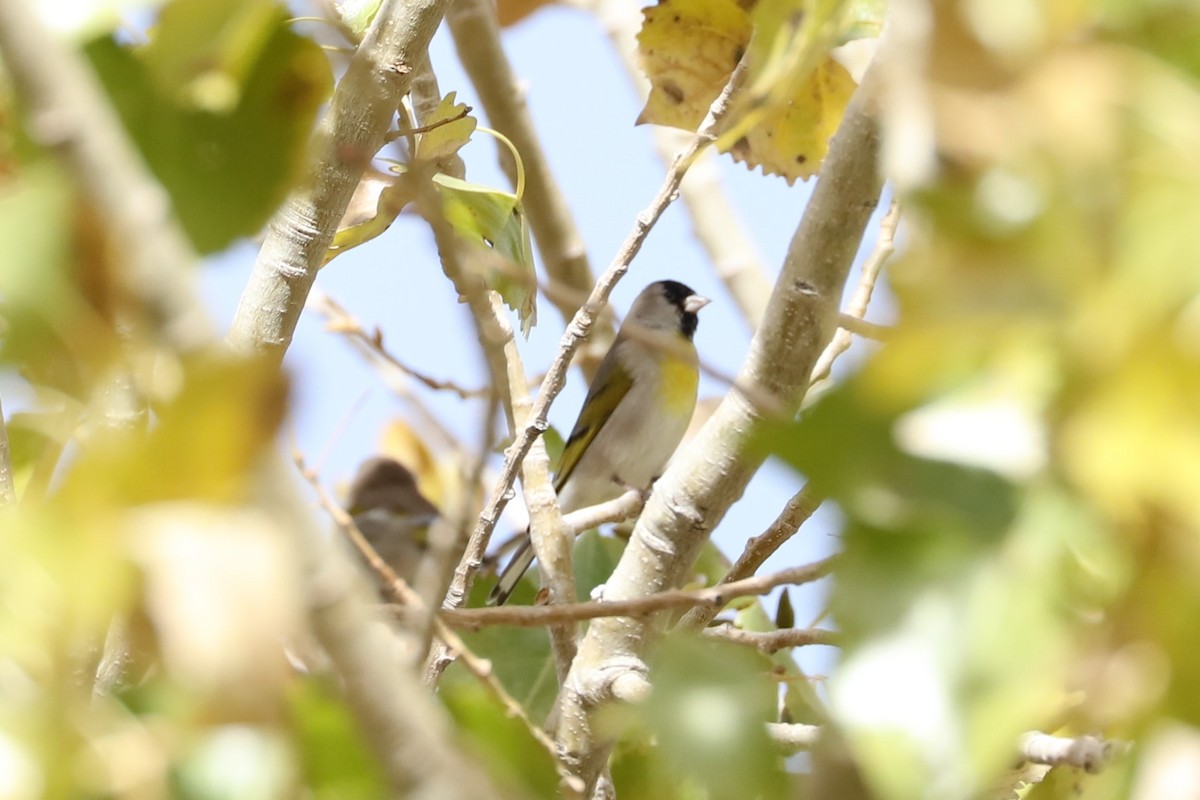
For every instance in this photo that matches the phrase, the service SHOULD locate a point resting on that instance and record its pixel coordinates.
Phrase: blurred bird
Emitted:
(635, 413)
(392, 513)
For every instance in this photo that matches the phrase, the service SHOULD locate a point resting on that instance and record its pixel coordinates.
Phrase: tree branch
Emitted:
(706, 477)
(713, 597)
(477, 41)
(771, 642)
(793, 737)
(799, 508)
(348, 137)
(715, 221)
(582, 323)
(1089, 753)
(857, 308)
(8, 491)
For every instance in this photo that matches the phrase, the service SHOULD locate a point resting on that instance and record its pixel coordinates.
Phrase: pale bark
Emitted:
(706, 478)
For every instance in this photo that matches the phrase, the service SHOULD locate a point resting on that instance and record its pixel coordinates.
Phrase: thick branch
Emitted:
(715, 221)
(712, 472)
(346, 140)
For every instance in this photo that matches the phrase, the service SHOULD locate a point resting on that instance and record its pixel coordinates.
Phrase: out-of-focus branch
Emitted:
(582, 323)
(1089, 753)
(348, 137)
(342, 322)
(412, 602)
(715, 221)
(793, 737)
(8, 491)
(795, 513)
(770, 642)
(713, 597)
(707, 476)
(69, 114)
(477, 39)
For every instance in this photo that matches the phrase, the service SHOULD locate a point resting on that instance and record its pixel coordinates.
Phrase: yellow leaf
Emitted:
(451, 129)
(791, 139)
(688, 50)
(796, 93)
(401, 442)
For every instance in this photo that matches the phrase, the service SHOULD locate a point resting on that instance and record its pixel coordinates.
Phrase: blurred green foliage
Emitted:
(1016, 466)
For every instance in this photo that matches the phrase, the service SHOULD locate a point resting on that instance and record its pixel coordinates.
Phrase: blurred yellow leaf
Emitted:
(401, 442)
(202, 444)
(222, 592)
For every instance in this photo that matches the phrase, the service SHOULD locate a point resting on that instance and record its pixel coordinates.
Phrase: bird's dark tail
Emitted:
(517, 566)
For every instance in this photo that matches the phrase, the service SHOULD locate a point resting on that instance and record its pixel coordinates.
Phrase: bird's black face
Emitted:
(677, 294)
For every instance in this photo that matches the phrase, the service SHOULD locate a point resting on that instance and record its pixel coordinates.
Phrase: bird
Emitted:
(392, 514)
(637, 409)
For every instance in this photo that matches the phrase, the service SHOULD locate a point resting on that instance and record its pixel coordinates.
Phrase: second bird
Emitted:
(636, 411)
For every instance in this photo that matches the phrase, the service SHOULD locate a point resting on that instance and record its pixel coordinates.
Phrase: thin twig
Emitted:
(411, 601)
(798, 509)
(341, 321)
(581, 325)
(771, 642)
(716, 223)
(713, 596)
(885, 245)
(860, 327)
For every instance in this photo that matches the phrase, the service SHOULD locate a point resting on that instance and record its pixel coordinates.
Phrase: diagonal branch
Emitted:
(582, 323)
(348, 137)
(706, 478)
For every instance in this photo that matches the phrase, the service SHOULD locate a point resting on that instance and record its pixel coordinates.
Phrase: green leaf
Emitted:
(709, 709)
(336, 762)
(495, 220)
(221, 102)
(377, 202)
(845, 445)
(502, 741)
(594, 558)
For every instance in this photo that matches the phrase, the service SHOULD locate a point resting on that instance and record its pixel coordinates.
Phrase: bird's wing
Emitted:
(610, 384)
